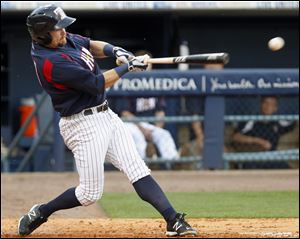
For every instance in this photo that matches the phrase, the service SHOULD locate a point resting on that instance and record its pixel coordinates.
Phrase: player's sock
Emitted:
(150, 191)
(64, 201)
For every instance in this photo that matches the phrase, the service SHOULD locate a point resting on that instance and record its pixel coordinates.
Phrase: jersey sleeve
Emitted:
(70, 74)
(286, 126)
(240, 128)
(246, 128)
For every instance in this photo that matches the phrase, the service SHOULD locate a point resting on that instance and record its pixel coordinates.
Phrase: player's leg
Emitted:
(123, 154)
(163, 141)
(88, 147)
(92, 134)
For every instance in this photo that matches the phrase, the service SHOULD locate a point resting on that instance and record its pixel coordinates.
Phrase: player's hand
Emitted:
(138, 63)
(265, 144)
(122, 55)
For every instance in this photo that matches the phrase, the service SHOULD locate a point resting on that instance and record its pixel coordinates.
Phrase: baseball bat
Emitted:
(209, 58)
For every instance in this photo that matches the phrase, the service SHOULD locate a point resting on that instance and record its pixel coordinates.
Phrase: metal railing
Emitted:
(278, 155)
(19, 134)
(33, 147)
(268, 156)
(187, 119)
(167, 119)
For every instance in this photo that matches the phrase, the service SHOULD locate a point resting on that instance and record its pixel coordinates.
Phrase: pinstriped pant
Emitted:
(94, 139)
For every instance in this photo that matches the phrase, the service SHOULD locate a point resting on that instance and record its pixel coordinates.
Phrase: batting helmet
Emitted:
(45, 19)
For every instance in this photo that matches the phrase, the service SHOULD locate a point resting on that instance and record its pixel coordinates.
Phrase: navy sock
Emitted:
(150, 191)
(64, 201)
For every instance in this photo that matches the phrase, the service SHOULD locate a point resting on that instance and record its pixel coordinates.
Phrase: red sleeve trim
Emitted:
(47, 72)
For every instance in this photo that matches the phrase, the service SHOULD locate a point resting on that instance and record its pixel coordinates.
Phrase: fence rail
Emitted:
(228, 118)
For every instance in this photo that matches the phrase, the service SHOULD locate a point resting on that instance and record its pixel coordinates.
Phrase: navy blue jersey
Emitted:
(70, 75)
(268, 130)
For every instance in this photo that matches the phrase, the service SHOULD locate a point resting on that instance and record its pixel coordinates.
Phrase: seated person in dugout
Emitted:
(261, 135)
(194, 146)
(145, 134)
(195, 106)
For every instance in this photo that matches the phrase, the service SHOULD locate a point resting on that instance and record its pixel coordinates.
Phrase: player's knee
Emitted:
(88, 196)
(91, 197)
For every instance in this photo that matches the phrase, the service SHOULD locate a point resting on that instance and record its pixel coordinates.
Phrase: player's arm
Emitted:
(113, 75)
(242, 135)
(197, 128)
(160, 114)
(100, 49)
(65, 71)
(246, 139)
(96, 48)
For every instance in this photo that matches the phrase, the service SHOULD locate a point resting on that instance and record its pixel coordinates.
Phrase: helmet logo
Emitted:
(60, 13)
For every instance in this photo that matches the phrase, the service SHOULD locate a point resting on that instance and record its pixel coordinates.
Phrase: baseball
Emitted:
(276, 43)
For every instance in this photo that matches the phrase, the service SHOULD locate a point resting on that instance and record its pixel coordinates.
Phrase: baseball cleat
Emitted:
(32, 220)
(179, 227)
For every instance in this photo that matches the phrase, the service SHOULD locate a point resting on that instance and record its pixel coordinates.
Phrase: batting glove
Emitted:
(138, 63)
(122, 55)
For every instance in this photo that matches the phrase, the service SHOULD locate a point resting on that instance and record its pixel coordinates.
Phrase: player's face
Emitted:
(269, 106)
(58, 38)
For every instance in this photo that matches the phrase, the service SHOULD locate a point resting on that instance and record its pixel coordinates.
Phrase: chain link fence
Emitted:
(260, 131)
(256, 124)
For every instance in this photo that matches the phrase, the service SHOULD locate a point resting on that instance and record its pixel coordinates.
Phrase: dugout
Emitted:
(160, 29)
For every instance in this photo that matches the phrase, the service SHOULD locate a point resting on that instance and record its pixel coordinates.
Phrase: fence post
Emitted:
(213, 132)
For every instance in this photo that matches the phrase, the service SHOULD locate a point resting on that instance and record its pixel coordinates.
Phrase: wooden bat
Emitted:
(208, 58)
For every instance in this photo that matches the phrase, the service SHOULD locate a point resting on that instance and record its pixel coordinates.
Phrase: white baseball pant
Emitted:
(94, 139)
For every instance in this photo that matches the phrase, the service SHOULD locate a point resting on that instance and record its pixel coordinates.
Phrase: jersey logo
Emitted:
(60, 13)
(87, 57)
(145, 104)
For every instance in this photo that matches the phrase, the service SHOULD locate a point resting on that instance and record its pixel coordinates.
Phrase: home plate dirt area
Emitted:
(20, 191)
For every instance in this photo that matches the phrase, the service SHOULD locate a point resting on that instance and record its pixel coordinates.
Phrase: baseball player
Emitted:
(66, 69)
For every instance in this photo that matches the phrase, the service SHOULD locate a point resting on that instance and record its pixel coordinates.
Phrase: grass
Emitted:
(207, 205)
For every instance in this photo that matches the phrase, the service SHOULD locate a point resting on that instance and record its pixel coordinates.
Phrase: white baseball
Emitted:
(276, 43)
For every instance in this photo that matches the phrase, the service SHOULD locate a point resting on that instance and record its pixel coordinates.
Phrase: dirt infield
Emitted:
(20, 191)
(154, 228)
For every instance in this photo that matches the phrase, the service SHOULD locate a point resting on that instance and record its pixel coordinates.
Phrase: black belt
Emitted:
(100, 108)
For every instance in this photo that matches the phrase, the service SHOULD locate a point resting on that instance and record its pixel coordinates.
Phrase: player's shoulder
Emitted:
(73, 36)
(76, 38)
(41, 52)
(55, 57)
